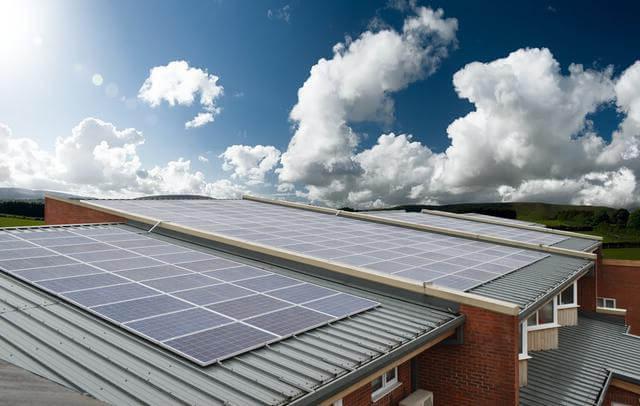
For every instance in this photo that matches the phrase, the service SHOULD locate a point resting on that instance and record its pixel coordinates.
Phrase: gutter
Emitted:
(351, 378)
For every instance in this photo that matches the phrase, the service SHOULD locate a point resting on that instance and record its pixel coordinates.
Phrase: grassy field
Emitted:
(8, 221)
(621, 253)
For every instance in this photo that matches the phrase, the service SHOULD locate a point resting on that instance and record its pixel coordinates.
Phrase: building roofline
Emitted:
(497, 221)
(471, 299)
(423, 227)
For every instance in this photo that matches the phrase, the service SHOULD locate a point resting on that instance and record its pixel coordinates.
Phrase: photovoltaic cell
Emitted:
(230, 340)
(172, 325)
(176, 283)
(98, 296)
(248, 306)
(141, 308)
(341, 304)
(302, 293)
(288, 321)
(131, 280)
(81, 282)
(53, 272)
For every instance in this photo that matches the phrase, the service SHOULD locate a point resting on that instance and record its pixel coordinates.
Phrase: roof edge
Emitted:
(471, 299)
(514, 225)
(338, 388)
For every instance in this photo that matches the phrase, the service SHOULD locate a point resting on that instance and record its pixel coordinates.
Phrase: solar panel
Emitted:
(494, 230)
(367, 245)
(174, 296)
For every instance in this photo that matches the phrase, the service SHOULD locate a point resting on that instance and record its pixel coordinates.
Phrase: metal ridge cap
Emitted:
(423, 227)
(514, 225)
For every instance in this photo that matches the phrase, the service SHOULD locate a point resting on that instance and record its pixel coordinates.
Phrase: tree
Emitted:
(634, 220)
(621, 217)
(600, 216)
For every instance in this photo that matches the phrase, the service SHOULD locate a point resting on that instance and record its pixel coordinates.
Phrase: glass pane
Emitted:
(610, 303)
(391, 375)
(545, 314)
(522, 332)
(600, 302)
(376, 384)
(566, 297)
(532, 320)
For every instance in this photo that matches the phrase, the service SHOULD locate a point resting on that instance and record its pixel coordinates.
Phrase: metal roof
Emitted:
(578, 372)
(67, 345)
(537, 282)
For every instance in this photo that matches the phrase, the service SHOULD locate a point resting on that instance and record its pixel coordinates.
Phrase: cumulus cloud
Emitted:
(178, 84)
(528, 137)
(612, 188)
(101, 160)
(355, 86)
(203, 159)
(250, 163)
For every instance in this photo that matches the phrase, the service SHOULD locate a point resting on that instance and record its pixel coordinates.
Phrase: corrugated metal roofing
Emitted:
(529, 285)
(69, 346)
(577, 372)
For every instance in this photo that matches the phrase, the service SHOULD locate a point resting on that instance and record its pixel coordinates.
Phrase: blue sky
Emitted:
(262, 52)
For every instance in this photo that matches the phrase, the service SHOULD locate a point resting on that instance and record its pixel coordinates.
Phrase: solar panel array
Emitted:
(478, 227)
(203, 307)
(453, 262)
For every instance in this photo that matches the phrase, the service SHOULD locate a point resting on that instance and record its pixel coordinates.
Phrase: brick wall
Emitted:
(362, 395)
(621, 281)
(59, 212)
(621, 396)
(587, 290)
(482, 371)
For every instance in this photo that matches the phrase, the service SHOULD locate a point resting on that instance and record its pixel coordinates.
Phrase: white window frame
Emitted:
(575, 298)
(337, 403)
(552, 324)
(604, 302)
(387, 385)
(524, 340)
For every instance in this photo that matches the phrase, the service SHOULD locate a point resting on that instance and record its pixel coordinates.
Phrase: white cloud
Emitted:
(203, 159)
(250, 163)
(199, 120)
(178, 84)
(355, 86)
(613, 188)
(100, 160)
(283, 13)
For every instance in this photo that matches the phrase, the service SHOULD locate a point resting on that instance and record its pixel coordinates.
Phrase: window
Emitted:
(384, 383)
(545, 317)
(337, 403)
(568, 297)
(523, 345)
(607, 302)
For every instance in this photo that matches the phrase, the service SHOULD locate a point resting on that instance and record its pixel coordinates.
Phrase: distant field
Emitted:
(621, 253)
(18, 222)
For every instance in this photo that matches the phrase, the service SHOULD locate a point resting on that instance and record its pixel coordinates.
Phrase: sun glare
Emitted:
(21, 31)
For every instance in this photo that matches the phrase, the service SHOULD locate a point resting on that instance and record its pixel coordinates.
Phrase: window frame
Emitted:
(560, 305)
(387, 385)
(551, 324)
(524, 341)
(337, 403)
(604, 302)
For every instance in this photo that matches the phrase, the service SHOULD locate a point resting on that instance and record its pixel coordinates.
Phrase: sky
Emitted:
(362, 104)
